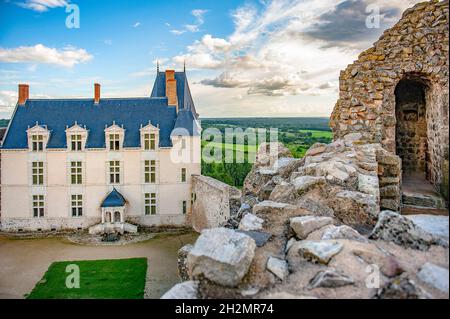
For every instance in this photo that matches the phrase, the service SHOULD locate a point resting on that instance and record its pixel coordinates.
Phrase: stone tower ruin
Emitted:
(396, 93)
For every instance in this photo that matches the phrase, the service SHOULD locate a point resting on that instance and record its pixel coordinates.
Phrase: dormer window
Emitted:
(150, 141)
(76, 137)
(37, 142)
(114, 136)
(114, 142)
(149, 137)
(37, 138)
(76, 142)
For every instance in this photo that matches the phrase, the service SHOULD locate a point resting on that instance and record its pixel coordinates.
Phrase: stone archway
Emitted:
(411, 127)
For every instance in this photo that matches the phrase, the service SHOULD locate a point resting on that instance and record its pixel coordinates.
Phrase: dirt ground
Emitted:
(23, 262)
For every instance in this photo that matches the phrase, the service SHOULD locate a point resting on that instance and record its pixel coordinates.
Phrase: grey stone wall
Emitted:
(47, 224)
(211, 202)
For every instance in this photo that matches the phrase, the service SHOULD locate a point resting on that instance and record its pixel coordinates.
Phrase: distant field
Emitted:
(318, 134)
(99, 279)
(235, 147)
(286, 123)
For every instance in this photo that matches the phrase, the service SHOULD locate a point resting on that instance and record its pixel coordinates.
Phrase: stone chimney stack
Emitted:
(24, 93)
(96, 93)
(171, 88)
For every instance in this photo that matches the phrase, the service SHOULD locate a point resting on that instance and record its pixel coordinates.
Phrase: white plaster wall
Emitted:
(17, 190)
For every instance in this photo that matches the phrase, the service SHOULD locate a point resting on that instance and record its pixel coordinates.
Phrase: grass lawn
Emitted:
(99, 279)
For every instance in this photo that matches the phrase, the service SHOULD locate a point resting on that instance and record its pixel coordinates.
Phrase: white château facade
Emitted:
(63, 161)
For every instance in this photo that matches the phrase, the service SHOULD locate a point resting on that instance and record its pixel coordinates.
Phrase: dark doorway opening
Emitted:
(411, 129)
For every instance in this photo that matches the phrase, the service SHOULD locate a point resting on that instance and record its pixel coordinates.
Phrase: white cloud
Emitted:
(7, 99)
(137, 25)
(288, 47)
(66, 57)
(42, 5)
(195, 27)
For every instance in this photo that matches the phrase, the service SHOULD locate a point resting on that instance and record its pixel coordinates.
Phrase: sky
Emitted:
(244, 58)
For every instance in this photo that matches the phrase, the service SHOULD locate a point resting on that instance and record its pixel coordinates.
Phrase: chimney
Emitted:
(96, 93)
(171, 88)
(24, 93)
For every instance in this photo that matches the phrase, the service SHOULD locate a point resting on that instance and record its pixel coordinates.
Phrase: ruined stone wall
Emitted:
(415, 48)
(211, 202)
(389, 177)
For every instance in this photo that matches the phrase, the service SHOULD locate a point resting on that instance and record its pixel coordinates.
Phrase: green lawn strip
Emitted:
(236, 147)
(99, 279)
(319, 134)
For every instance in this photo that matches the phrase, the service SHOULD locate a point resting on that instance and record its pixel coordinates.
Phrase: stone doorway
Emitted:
(411, 127)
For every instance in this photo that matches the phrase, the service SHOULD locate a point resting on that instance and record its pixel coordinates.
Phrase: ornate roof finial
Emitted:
(184, 66)
(157, 66)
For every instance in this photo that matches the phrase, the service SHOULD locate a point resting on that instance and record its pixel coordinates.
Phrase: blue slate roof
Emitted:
(186, 124)
(114, 199)
(131, 113)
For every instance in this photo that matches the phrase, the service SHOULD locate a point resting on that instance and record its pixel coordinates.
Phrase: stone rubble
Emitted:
(318, 251)
(330, 278)
(278, 267)
(305, 225)
(251, 222)
(343, 232)
(182, 260)
(396, 228)
(221, 255)
(184, 290)
(435, 276)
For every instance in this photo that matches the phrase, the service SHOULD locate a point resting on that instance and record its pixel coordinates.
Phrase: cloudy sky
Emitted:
(244, 58)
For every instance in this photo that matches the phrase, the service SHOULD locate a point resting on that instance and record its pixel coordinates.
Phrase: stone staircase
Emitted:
(419, 197)
(415, 202)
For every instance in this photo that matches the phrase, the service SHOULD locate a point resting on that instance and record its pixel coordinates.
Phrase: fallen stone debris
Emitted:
(331, 240)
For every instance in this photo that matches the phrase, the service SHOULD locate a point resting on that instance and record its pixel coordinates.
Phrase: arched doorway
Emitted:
(411, 127)
(117, 218)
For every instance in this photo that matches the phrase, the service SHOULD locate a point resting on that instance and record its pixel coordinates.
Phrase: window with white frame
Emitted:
(183, 175)
(77, 205)
(37, 143)
(76, 137)
(38, 137)
(114, 172)
(76, 142)
(149, 141)
(76, 173)
(150, 171)
(114, 142)
(37, 173)
(150, 204)
(38, 206)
